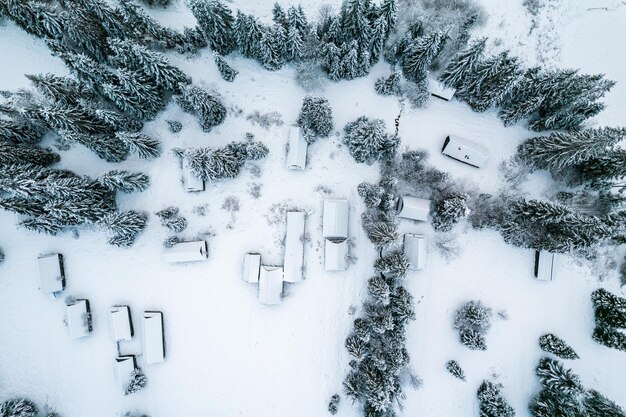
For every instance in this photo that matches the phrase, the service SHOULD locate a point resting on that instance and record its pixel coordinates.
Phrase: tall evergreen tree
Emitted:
(205, 105)
(227, 72)
(248, 34)
(389, 11)
(552, 344)
(420, 53)
(367, 140)
(463, 64)
(20, 131)
(125, 181)
(61, 90)
(491, 403)
(135, 94)
(39, 19)
(85, 32)
(217, 22)
(315, 118)
(27, 154)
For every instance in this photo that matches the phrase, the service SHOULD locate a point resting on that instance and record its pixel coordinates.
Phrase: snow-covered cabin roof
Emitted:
(544, 265)
(270, 284)
(335, 254)
(51, 274)
(124, 367)
(440, 90)
(415, 250)
(187, 252)
(191, 181)
(466, 151)
(251, 267)
(335, 221)
(296, 156)
(413, 208)
(153, 342)
(121, 326)
(294, 247)
(78, 319)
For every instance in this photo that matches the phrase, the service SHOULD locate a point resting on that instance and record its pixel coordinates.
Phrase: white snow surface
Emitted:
(228, 355)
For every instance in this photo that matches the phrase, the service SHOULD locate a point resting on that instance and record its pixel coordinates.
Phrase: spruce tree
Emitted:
(463, 64)
(146, 30)
(354, 22)
(382, 233)
(609, 337)
(449, 211)
(315, 118)
(557, 346)
(171, 219)
(394, 264)
(367, 141)
(389, 11)
(279, 17)
(71, 118)
(84, 31)
(61, 90)
(333, 405)
(217, 22)
(134, 93)
(604, 172)
(18, 407)
(271, 48)
(227, 72)
(39, 19)
(137, 382)
(124, 226)
(10, 154)
(125, 181)
(388, 86)
(420, 53)
(144, 146)
(20, 131)
(473, 320)
(207, 106)
(106, 146)
(491, 403)
(248, 34)
(455, 369)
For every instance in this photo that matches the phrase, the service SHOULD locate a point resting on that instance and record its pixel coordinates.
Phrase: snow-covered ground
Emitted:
(227, 355)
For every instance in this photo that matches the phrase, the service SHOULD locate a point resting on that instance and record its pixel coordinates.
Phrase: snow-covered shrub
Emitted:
(455, 369)
(394, 264)
(491, 403)
(174, 125)
(449, 211)
(388, 86)
(207, 106)
(254, 190)
(473, 320)
(423, 178)
(1, 256)
(333, 404)
(171, 219)
(381, 233)
(533, 6)
(368, 141)
(231, 204)
(265, 120)
(316, 118)
(19, 407)
(448, 246)
(372, 194)
(134, 414)
(227, 72)
(138, 381)
(125, 227)
(557, 346)
(171, 241)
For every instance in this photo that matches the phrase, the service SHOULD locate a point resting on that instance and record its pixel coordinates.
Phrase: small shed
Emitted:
(335, 220)
(270, 284)
(544, 265)
(124, 367)
(413, 208)
(415, 250)
(336, 254)
(466, 151)
(121, 324)
(251, 267)
(192, 182)
(440, 90)
(78, 319)
(187, 252)
(51, 274)
(153, 340)
(296, 156)
(294, 247)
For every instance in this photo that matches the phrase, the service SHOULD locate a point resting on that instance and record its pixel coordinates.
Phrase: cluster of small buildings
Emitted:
(52, 282)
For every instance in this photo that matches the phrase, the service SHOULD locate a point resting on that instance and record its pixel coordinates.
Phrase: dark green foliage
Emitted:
(1, 256)
(27, 154)
(557, 346)
(367, 140)
(372, 194)
(449, 211)
(39, 19)
(70, 118)
(19, 131)
(455, 369)
(19, 407)
(217, 22)
(145, 29)
(106, 146)
(333, 404)
(134, 93)
(388, 86)
(60, 90)
(610, 313)
(604, 172)
(473, 321)
(159, 3)
(207, 106)
(125, 181)
(84, 32)
(381, 233)
(316, 118)
(598, 405)
(393, 264)
(491, 403)
(463, 64)
(227, 72)
(609, 337)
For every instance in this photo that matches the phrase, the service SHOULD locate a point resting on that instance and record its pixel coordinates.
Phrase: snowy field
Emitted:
(228, 355)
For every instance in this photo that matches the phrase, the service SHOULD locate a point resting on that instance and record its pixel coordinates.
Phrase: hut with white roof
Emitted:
(544, 265)
(336, 254)
(187, 252)
(153, 338)
(335, 218)
(465, 150)
(124, 367)
(78, 319)
(413, 208)
(294, 247)
(51, 274)
(251, 267)
(415, 250)
(121, 324)
(270, 284)
(296, 156)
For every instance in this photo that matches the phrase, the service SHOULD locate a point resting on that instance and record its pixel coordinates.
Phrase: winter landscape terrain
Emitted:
(227, 354)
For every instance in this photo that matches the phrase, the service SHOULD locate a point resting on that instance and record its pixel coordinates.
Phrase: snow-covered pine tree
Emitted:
(206, 105)
(248, 34)
(134, 93)
(18, 407)
(109, 17)
(125, 227)
(449, 211)
(144, 146)
(379, 34)
(171, 219)
(389, 11)
(83, 67)
(473, 321)
(354, 22)
(60, 90)
(174, 125)
(10, 154)
(557, 346)
(598, 405)
(463, 64)
(20, 131)
(294, 44)
(372, 194)
(39, 19)
(138, 381)
(420, 52)
(491, 402)
(333, 404)
(159, 3)
(106, 146)
(227, 72)
(604, 172)
(116, 120)
(555, 377)
(146, 30)
(153, 65)
(388, 86)
(382, 233)
(279, 17)
(71, 118)
(217, 22)
(84, 32)
(125, 181)
(349, 66)
(272, 48)
(561, 150)
(367, 141)
(393, 264)
(609, 337)
(455, 369)
(609, 309)
(316, 118)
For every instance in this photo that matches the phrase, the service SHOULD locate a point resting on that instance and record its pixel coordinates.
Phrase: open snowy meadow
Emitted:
(226, 354)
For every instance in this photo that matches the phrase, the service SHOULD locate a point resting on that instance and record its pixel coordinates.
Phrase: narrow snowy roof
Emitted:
(544, 265)
(124, 367)
(153, 343)
(294, 247)
(121, 326)
(51, 276)
(335, 254)
(296, 157)
(413, 208)
(187, 252)
(251, 267)
(438, 89)
(77, 319)
(466, 151)
(335, 221)
(270, 284)
(415, 250)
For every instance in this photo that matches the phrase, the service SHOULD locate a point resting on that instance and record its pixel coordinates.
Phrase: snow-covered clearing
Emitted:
(227, 355)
